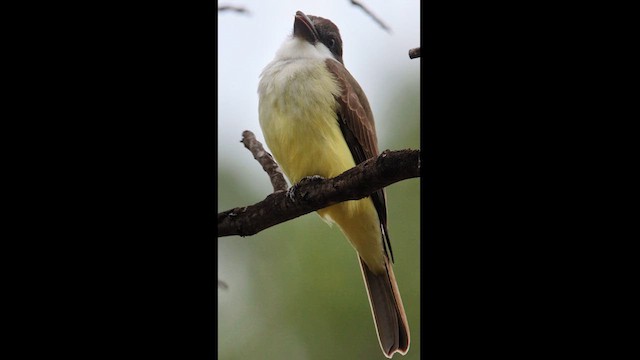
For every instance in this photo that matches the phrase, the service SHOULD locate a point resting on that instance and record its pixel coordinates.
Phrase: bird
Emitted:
(317, 122)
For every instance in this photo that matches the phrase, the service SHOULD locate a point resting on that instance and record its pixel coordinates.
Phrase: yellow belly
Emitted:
(301, 129)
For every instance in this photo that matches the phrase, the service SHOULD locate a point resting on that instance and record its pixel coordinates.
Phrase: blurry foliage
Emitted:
(295, 290)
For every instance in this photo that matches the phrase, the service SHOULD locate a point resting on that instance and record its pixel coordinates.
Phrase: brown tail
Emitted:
(387, 309)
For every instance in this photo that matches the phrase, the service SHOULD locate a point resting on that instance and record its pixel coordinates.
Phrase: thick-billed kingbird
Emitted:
(317, 121)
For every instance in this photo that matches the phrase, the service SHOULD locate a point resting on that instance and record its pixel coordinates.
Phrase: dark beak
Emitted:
(303, 28)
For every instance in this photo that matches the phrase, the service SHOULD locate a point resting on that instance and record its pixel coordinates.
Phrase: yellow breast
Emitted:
(298, 117)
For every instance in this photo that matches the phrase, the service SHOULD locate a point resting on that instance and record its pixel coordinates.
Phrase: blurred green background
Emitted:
(295, 290)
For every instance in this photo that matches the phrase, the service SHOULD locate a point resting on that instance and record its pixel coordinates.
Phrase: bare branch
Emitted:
(239, 9)
(358, 3)
(414, 53)
(265, 159)
(311, 194)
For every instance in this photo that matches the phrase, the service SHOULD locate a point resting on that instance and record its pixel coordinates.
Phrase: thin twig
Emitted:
(239, 9)
(414, 53)
(358, 3)
(265, 159)
(311, 194)
(222, 285)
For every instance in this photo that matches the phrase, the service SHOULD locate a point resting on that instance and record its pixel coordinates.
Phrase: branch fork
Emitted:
(314, 193)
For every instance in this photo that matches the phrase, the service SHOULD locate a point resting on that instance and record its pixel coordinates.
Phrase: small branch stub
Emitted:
(414, 53)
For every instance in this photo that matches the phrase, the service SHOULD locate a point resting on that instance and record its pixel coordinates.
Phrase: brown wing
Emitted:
(359, 131)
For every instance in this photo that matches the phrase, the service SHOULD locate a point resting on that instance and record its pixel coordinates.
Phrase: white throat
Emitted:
(296, 48)
(305, 62)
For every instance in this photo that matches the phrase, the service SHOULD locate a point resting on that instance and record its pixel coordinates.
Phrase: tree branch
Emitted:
(265, 159)
(375, 18)
(238, 9)
(311, 194)
(414, 53)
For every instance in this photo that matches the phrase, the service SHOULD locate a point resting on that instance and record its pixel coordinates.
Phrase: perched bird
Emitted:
(317, 122)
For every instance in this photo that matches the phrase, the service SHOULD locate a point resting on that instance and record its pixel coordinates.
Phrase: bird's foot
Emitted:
(291, 192)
